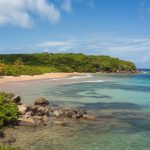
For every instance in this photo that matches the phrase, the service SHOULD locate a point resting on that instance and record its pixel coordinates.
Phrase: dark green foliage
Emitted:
(8, 111)
(18, 64)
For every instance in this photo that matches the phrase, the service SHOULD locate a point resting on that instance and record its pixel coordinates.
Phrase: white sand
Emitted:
(36, 77)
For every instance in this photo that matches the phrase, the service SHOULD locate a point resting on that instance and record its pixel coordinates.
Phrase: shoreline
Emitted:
(58, 75)
(4, 79)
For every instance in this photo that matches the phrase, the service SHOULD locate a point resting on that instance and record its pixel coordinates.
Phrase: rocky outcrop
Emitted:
(40, 113)
(41, 102)
(69, 113)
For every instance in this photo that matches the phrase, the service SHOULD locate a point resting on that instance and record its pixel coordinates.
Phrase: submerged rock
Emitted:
(41, 102)
(69, 113)
(8, 140)
(26, 121)
(38, 120)
(60, 123)
(89, 117)
(45, 118)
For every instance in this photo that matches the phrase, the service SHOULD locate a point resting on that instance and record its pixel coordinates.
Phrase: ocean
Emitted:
(121, 103)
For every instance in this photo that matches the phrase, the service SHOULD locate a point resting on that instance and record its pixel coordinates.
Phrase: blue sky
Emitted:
(119, 28)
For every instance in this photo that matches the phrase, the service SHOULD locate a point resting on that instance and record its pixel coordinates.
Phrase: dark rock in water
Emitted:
(23, 109)
(89, 117)
(41, 111)
(16, 99)
(41, 102)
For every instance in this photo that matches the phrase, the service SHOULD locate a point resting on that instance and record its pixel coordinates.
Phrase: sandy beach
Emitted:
(37, 77)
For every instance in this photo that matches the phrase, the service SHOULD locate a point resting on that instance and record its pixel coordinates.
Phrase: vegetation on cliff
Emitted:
(31, 64)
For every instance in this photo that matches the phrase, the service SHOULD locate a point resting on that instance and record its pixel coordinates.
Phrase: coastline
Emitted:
(5, 79)
(58, 75)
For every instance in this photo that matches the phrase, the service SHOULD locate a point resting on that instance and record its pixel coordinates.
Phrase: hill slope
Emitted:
(38, 63)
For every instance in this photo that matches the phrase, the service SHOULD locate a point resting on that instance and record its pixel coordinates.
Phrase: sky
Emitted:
(118, 28)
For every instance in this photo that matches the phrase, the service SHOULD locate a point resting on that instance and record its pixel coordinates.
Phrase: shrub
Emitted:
(8, 111)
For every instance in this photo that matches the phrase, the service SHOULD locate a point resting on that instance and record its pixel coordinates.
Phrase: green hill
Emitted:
(38, 63)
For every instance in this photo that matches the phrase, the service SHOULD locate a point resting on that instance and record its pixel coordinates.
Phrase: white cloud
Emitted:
(67, 5)
(53, 44)
(17, 12)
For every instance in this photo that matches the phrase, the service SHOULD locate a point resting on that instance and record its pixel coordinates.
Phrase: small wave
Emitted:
(144, 72)
(74, 77)
(80, 77)
(95, 81)
(92, 81)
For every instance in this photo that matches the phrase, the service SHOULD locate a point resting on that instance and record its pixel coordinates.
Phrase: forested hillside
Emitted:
(17, 64)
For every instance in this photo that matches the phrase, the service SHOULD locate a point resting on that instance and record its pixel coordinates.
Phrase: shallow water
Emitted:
(121, 103)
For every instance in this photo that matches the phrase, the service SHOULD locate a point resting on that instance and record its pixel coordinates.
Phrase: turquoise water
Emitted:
(120, 102)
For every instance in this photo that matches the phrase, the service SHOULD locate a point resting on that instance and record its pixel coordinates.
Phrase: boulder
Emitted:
(28, 114)
(76, 116)
(58, 113)
(16, 99)
(41, 102)
(68, 114)
(23, 109)
(41, 111)
(34, 109)
(45, 118)
(89, 117)
(60, 123)
(26, 121)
